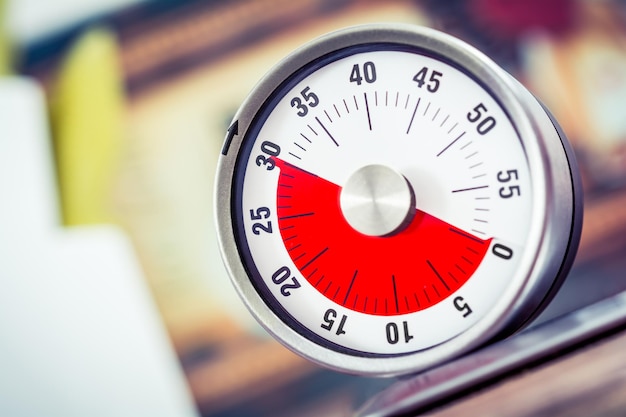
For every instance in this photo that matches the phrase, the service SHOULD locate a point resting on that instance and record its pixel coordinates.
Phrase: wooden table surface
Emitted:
(590, 382)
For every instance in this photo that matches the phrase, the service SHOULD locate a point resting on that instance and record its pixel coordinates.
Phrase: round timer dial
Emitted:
(389, 198)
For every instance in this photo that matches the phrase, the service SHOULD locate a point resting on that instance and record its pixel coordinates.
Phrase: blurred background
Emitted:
(113, 297)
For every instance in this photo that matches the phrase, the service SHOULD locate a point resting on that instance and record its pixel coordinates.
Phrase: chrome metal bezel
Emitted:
(554, 223)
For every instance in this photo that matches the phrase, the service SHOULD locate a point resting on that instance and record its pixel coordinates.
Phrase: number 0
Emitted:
(502, 251)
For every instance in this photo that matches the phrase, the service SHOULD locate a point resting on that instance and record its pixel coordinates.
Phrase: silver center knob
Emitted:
(377, 201)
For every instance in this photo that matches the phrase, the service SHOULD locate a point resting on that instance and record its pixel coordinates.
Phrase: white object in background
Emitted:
(79, 332)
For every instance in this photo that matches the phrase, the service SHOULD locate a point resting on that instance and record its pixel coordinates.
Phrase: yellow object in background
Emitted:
(87, 107)
(5, 44)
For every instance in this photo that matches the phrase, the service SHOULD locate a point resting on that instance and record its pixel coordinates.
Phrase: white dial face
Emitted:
(382, 201)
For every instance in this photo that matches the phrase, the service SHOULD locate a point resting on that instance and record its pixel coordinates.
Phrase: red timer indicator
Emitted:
(370, 274)
(386, 201)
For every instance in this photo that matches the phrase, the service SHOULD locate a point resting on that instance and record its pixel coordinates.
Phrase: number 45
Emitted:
(432, 82)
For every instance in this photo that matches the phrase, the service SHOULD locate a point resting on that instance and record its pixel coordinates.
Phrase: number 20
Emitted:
(286, 281)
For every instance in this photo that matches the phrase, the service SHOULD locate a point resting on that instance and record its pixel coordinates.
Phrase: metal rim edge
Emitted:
(483, 69)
